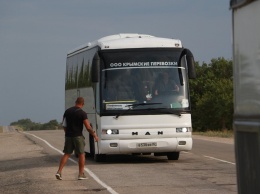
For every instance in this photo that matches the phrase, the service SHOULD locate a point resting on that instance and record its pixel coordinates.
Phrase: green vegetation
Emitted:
(28, 125)
(212, 96)
(1, 129)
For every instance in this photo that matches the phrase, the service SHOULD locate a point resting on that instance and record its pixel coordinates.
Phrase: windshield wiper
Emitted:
(167, 110)
(132, 106)
(174, 112)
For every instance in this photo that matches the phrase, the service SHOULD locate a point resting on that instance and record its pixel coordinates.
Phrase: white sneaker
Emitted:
(82, 177)
(58, 176)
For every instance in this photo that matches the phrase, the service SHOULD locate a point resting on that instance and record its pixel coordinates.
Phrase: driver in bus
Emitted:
(165, 85)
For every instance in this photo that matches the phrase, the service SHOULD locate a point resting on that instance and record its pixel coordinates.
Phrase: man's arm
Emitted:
(175, 86)
(90, 130)
(64, 124)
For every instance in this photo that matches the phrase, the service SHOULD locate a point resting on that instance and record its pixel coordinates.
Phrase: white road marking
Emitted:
(86, 169)
(219, 160)
(212, 158)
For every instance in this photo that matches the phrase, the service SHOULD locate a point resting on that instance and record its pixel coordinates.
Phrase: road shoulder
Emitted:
(27, 167)
(215, 139)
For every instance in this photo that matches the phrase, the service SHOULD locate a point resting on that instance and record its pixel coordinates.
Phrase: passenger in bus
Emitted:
(110, 91)
(124, 86)
(165, 85)
(140, 89)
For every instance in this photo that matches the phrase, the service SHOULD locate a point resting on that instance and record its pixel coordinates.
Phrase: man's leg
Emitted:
(63, 161)
(79, 149)
(81, 163)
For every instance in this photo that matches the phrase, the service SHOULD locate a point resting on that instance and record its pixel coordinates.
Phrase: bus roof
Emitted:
(122, 41)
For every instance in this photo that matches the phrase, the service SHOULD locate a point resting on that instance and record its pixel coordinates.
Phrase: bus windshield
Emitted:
(143, 81)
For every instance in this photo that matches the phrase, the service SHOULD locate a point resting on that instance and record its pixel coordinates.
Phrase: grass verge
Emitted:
(224, 133)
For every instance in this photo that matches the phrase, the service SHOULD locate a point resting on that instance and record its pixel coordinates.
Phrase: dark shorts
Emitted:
(74, 143)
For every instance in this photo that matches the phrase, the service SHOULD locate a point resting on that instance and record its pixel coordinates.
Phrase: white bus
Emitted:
(120, 78)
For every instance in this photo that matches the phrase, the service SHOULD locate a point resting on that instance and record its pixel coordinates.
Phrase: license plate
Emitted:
(151, 144)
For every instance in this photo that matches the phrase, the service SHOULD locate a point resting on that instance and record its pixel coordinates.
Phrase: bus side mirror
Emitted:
(95, 70)
(191, 64)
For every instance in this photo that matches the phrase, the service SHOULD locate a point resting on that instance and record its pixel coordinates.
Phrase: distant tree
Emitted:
(22, 122)
(53, 124)
(212, 95)
(28, 125)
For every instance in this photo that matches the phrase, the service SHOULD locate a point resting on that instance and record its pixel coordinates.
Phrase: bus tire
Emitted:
(100, 157)
(97, 157)
(91, 146)
(173, 155)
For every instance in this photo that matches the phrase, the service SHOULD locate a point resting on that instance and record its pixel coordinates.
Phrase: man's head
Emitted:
(79, 101)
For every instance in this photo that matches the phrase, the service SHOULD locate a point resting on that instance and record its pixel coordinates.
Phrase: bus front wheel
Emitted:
(97, 157)
(173, 155)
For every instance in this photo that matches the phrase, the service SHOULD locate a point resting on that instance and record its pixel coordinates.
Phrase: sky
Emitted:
(36, 35)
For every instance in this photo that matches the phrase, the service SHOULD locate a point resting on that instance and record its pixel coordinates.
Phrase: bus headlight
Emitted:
(183, 129)
(110, 131)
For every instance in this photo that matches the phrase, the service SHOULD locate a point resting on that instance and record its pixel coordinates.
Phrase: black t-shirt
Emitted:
(74, 119)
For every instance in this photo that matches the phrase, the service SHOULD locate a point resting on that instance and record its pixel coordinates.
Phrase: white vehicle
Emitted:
(246, 59)
(118, 76)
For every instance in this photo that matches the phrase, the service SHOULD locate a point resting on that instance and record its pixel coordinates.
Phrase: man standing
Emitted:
(73, 120)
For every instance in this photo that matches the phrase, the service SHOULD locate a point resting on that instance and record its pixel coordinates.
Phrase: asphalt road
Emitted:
(28, 163)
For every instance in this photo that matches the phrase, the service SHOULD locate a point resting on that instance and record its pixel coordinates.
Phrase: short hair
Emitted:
(79, 100)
